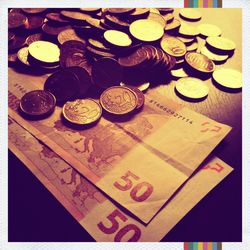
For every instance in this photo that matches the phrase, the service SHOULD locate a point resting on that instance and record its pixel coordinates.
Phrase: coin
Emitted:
(33, 38)
(95, 24)
(139, 13)
(120, 11)
(193, 47)
(174, 25)
(200, 62)
(16, 20)
(69, 34)
(146, 30)
(84, 80)
(188, 30)
(169, 18)
(178, 73)
(118, 100)
(56, 18)
(191, 88)
(99, 54)
(140, 96)
(34, 22)
(33, 10)
(143, 87)
(116, 22)
(106, 72)
(75, 16)
(157, 17)
(190, 14)
(90, 10)
(166, 10)
(38, 103)
(82, 111)
(97, 44)
(228, 78)
(186, 40)
(221, 43)
(117, 38)
(209, 30)
(45, 52)
(22, 55)
(52, 30)
(173, 46)
(136, 59)
(64, 85)
(215, 57)
(17, 42)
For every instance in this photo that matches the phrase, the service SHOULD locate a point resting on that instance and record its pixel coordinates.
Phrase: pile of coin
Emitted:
(99, 52)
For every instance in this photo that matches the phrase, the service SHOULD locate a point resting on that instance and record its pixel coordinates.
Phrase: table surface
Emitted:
(217, 217)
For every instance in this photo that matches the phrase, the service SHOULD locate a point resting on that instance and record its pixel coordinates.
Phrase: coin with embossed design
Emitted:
(38, 103)
(119, 100)
(173, 46)
(82, 111)
(200, 62)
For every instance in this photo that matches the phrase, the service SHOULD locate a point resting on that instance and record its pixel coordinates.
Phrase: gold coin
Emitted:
(190, 14)
(188, 30)
(192, 88)
(173, 46)
(82, 111)
(229, 78)
(44, 51)
(22, 55)
(200, 62)
(117, 38)
(193, 47)
(173, 25)
(119, 100)
(157, 18)
(146, 30)
(217, 58)
(142, 87)
(221, 43)
(185, 40)
(209, 30)
(178, 73)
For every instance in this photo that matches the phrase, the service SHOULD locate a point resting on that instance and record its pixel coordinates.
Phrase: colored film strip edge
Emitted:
(203, 3)
(202, 246)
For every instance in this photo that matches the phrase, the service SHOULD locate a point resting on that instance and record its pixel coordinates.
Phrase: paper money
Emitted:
(97, 214)
(131, 161)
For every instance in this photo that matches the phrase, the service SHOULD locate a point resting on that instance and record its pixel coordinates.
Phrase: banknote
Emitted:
(141, 162)
(104, 220)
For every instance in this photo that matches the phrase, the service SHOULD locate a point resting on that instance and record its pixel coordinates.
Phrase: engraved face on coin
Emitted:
(221, 43)
(118, 100)
(173, 46)
(192, 88)
(38, 103)
(146, 30)
(200, 62)
(82, 111)
(44, 51)
(228, 78)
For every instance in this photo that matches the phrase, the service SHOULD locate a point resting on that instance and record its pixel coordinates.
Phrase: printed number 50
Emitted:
(113, 217)
(128, 184)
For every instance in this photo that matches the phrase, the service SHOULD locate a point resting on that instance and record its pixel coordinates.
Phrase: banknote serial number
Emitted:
(138, 192)
(130, 232)
(170, 111)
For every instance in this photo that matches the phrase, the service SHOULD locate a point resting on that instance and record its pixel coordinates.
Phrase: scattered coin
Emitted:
(169, 18)
(75, 16)
(16, 20)
(215, 57)
(193, 47)
(146, 30)
(144, 86)
(56, 17)
(97, 44)
(45, 52)
(209, 30)
(228, 78)
(90, 10)
(99, 54)
(106, 72)
(69, 34)
(200, 62)
(140, 96)
(64, 85)
(191, 88)
(22, 55)
(34, 22)
(120, 11)
(33, 38)
(173, 46)
(190, 14)
(178, 73)
(157, 17)
(52, 30)
(118, 100)
(82, 111)
(38, 103)
(187, 41)
(174, 25)
(139, 13)
(166, 10)
(117, 38)
(221, 43)
(188, 30)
